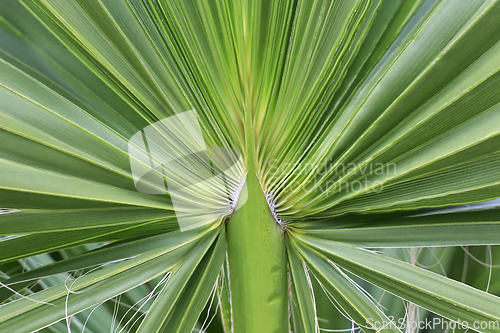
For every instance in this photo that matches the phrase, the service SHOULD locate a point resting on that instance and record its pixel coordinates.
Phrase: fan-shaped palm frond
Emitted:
(163, 162)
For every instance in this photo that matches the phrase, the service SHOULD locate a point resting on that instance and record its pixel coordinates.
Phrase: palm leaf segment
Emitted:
(358, 119)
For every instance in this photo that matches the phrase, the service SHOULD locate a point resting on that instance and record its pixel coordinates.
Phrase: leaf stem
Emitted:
(257, 258)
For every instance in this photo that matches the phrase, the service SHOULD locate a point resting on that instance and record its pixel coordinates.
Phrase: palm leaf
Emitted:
(283, 141)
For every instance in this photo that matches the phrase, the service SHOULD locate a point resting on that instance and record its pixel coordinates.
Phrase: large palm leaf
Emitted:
(357, 121)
